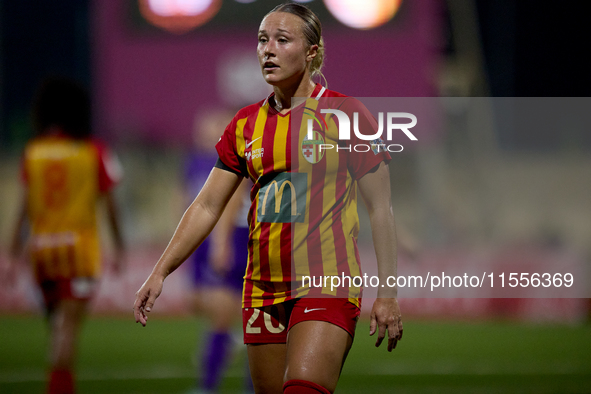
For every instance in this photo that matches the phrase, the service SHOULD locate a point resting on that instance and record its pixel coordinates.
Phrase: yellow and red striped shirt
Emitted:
(303, 216)
(64, 178)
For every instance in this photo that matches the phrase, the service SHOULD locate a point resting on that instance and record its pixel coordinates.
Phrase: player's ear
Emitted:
(312, 52)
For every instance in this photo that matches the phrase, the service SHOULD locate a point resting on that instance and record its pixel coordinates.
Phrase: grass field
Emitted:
(118, 356)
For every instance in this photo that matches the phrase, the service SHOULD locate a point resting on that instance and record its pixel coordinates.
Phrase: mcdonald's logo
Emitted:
(279, 196)
(274, 208)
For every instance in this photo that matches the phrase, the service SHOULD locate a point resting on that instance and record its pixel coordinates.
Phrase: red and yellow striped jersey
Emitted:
(303, 216)
(64, 178)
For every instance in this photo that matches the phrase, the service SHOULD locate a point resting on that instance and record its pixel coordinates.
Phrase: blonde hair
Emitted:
(312, 32)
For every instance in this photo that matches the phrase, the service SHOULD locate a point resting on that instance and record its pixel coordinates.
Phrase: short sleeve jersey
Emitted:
(64, 179)
(303, 215)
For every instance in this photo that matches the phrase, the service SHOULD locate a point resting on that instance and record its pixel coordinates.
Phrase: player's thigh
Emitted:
(267, 366)
(265, 333)
(316, 351)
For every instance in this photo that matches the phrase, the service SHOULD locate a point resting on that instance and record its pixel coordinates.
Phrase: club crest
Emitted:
(311, 148)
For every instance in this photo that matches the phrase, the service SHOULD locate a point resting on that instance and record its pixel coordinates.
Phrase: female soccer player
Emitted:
(65, 174)
(296, 344)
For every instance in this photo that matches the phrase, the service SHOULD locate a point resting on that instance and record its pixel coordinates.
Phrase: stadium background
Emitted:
(513, 198)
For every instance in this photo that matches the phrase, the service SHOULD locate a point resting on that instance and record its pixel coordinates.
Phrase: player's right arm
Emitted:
(196, 224)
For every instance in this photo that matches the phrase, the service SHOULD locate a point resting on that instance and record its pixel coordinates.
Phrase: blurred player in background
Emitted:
(296, 344)
(65, 174)
(218, 265)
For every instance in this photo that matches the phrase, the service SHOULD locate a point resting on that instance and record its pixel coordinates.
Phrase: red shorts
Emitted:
(74, 288)
(270, 324)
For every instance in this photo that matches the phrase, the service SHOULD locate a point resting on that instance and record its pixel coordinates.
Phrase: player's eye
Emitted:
(262, 40)
(282, 40)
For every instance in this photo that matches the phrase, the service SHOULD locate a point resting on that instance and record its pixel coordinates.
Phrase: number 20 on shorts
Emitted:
(272, 318)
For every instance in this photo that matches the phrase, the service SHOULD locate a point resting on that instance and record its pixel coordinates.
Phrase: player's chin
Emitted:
(272, 79)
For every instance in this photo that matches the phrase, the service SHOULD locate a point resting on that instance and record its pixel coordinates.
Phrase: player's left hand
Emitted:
(385, 316)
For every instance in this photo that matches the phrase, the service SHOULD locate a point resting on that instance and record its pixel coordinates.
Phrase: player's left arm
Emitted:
(385, 314)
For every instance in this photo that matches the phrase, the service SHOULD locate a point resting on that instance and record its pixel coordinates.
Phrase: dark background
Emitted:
(531, 48)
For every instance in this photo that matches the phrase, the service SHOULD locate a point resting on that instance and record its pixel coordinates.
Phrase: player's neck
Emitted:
(283, 95)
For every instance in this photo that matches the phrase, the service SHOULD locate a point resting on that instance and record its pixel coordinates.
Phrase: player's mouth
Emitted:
(270, 66)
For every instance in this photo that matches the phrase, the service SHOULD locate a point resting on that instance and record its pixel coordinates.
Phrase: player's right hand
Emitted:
(385, 316)
(145, 298)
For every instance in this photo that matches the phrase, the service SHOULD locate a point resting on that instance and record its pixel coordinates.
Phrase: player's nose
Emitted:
(269, 49)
